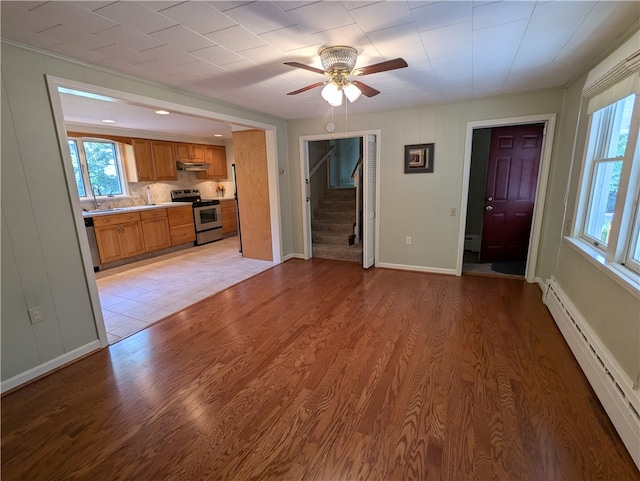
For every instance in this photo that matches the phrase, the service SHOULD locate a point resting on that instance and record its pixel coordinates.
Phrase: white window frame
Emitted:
(615, 255)
(85, 171)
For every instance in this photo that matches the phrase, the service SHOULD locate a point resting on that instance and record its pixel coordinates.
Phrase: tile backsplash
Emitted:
(161, 191)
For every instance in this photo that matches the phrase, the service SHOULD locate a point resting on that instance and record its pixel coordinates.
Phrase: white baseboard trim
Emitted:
(48, 366)
(611, 384)
(430, 270)
(292, 256)
(542, 284)
(472, 242)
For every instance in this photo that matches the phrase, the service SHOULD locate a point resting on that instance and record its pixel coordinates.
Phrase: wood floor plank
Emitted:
(319, 370)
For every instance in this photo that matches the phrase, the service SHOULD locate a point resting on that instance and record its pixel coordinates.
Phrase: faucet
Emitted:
(95, 201)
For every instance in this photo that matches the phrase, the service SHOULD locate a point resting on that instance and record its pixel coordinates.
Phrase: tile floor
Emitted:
(139, 294)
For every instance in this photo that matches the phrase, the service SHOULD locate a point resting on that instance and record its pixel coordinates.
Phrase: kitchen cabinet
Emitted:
(229, 217)
(155, 229)
(154, 160)
(216, 155)
(189, 152)
(119, 236)
(181, 225)
(143, 159)
(164, 160)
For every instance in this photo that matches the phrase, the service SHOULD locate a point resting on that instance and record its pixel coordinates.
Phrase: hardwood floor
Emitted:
(319, 370)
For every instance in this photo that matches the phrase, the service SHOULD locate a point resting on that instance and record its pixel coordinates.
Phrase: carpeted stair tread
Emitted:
(343, 253)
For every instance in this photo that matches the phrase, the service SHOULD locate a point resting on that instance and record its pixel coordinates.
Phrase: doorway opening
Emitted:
(506, 170)
(339, 197)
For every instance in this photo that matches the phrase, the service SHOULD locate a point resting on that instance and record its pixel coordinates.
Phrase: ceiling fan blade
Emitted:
(308, 87)
(365, 89)
(306, 67)
(381, 67)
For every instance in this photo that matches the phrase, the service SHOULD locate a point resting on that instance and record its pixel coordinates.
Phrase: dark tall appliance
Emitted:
(235, 196)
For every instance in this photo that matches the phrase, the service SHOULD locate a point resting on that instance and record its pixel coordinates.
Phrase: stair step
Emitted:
(340, 193)
(332, 226)
(342, 253)
(330, 203)
(327, 237)
(335, 215)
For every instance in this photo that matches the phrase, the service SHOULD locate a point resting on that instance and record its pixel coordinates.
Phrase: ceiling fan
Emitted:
(338, 63)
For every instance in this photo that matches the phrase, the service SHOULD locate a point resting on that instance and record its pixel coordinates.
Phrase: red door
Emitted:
(512, 177)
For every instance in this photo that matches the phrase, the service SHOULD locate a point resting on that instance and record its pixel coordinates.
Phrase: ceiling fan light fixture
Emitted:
(338, 58)
(352, 92)
(332, 94)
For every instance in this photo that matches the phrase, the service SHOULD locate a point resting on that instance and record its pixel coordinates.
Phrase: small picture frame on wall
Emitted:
(418, 158)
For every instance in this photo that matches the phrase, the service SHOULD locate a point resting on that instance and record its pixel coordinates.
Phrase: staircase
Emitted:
(332, 226)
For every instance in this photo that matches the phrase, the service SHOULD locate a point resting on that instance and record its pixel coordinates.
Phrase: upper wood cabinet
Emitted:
(143, 159)
(216, 155)
(154, 160)
(190, 152)
(164, 160)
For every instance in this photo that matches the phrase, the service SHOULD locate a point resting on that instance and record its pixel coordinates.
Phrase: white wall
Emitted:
(418, 205)
(41, 258)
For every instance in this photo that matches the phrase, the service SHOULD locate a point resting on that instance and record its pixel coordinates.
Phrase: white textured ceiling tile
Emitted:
(124, 54)
(287, 5)
(200, 17)
(92, 5)
(129, 38)
(289, 38)
(260, 17)
(321, 16)
(559, 12)
(162, 67)
(239, 66)
(135, 15)
(217, 55)
(442, 14)
(119, 65)
(400, 41)
(205, 68)
(170, 55)
(348, 35)
(496, 13)
(381, 15)
(540, 47)
(71, 15)
(19, 17)
(500, 40)
(74, 51)
(83, 40)
(448, 42)
(161, 6)
(236, 38)
(182, 38)
(453, 68)
(28, 38)
(263, 55)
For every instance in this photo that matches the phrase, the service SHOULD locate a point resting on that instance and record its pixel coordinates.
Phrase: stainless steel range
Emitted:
(206, 213)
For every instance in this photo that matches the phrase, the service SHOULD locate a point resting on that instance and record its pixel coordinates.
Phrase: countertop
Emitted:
(133, 208)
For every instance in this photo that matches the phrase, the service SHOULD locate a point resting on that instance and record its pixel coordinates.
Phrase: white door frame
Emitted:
(305, 188)
(549, 121)
(56, 105)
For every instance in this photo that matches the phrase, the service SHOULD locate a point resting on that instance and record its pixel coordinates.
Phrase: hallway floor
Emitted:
(139, 294)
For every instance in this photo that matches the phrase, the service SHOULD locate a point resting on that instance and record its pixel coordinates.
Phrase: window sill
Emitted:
(620, 274)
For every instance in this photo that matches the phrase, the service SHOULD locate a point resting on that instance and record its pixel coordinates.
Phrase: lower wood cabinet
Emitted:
(119, 236)
(155, 229)
(181, 225)
(229, 217)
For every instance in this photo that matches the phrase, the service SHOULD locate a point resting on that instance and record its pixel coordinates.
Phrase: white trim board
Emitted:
(49, 366)
(610, 383)
(406, 267)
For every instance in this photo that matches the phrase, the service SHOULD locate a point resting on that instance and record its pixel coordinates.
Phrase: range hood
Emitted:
(192, 166)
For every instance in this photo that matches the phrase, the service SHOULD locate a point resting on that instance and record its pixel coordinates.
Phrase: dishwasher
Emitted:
(93, 244)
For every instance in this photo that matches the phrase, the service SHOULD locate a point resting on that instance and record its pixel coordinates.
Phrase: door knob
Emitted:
(490, 199)
(488, 208)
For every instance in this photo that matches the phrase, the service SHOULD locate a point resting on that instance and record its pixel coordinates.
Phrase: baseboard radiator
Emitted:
(611, 384)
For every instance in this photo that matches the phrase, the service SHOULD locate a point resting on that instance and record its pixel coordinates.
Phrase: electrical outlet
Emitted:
(452, 212)
(408, 240)
(35, 315)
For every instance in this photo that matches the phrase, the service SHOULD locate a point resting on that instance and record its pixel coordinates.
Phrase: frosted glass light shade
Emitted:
(352, 92)
(338, 58)
(332, 94)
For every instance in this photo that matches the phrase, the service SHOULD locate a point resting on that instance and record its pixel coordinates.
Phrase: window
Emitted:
(97, 167)
(608, 216)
